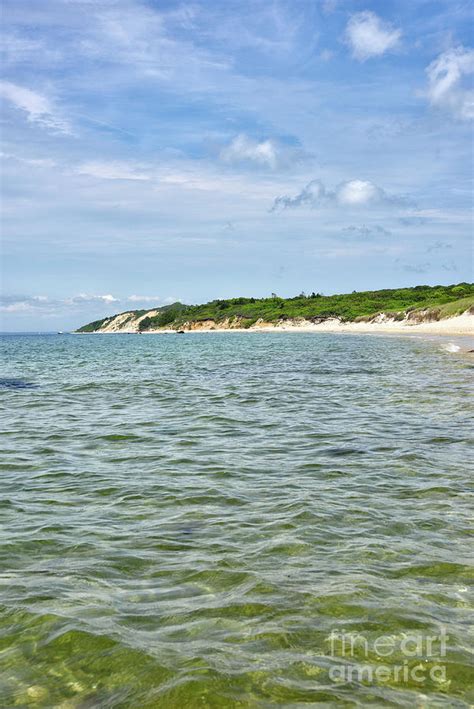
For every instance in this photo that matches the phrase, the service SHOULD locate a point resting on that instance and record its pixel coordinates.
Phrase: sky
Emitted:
(157, 150)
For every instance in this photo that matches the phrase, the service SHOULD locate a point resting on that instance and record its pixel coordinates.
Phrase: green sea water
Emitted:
(204, 520)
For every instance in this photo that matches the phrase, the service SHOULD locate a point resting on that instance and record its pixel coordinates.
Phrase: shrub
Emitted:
(144, 324)
(166, 318)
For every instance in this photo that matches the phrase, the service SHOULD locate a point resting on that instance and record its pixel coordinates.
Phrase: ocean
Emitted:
(235, 520)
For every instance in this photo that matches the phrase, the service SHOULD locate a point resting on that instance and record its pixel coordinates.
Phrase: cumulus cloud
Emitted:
(266, 153)
(115, 170)
(369, 36)
(357, 192)
(352, 193)
(38, 108)
(446, 82)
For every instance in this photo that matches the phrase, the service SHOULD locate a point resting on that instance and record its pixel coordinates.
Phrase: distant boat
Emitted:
(60, 332)
(180, 332)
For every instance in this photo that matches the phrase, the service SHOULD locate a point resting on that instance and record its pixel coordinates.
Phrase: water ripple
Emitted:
(186, 520)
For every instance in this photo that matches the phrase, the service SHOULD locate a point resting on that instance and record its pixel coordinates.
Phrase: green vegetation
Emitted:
(96, 325)
(144, 324)
(457, 307)
(443, 301)
(167, 315)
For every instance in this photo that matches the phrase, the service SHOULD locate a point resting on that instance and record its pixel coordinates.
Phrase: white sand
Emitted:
(459, 325)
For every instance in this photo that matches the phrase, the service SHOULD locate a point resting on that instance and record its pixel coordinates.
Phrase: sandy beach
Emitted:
(461, 325)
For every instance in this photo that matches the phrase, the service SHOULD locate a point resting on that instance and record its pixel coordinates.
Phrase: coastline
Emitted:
(460, 325)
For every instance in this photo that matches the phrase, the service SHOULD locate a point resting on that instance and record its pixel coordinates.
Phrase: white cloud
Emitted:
(369, 36)
(43, 305)
(87, 298)
(266, 153)
(20, 306)
(12, 304)
(244, 149)
(142, 38)
(155, 299)
(445, 79)
(115, 170)
(22, 303)
(38, 108)
(352, 193)
(358, 192)
(34, 162)
(144, 298)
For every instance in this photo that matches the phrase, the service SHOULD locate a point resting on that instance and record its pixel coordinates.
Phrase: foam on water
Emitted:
(451, 347)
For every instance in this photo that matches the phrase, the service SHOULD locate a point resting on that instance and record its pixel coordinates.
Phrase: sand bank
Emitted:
(460, 325)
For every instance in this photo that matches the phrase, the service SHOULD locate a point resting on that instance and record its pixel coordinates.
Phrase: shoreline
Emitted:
(460, 325)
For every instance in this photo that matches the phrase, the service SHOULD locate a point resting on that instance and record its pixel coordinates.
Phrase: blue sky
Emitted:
(154, 151)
